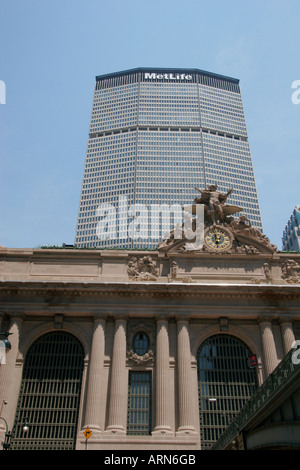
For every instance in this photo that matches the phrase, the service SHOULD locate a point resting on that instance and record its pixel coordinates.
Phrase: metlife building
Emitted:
(155, 135)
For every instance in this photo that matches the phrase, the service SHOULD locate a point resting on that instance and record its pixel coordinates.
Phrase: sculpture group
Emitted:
(244, 238)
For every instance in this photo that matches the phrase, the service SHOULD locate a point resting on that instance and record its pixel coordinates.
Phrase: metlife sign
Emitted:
(168, 76)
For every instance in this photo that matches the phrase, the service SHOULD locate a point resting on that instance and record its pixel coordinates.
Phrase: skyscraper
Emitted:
(291, 233)
(155, 135)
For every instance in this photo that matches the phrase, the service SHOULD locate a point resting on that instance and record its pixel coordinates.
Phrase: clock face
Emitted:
(217, 239)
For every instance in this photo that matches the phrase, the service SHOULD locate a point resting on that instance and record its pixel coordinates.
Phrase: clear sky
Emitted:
(51, 52)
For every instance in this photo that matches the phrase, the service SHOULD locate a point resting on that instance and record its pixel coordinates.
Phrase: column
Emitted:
(185, 391)
(268, 345)
(287, 334)
(162, 375)
(9, 376)
(1, 346)
(117, 417)
(94, 401)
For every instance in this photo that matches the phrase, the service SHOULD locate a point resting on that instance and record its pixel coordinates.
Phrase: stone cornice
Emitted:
(225, 291)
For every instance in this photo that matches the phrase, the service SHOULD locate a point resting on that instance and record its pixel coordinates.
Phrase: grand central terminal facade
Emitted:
(156, 349)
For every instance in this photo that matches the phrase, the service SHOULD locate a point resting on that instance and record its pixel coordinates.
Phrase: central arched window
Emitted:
(50, 394)
(141, 343)
(225, 383)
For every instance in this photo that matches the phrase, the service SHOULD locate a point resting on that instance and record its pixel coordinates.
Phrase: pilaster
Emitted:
(162, 411)
(94, 401)
(268, 344)
(185, 391)
(287, 333)
(117, 415)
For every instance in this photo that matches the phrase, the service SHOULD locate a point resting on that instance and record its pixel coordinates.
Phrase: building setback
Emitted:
(155, 135)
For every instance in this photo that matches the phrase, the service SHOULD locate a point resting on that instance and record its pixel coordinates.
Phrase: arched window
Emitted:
(50, 394)
(225, 383)
(141, 343)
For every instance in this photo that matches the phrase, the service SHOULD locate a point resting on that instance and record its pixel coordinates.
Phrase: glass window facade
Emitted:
(291, 233)
(154, 136)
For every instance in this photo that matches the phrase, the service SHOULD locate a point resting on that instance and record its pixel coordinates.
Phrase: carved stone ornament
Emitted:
(291, 271)
(132, 356)
(173, 271)
(139, 360)
(222, 233)
(142, 269)
(267, 272)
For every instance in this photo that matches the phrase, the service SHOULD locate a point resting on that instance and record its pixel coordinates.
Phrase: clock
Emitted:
(218, 239)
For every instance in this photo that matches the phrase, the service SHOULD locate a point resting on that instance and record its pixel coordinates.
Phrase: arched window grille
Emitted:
(50, 394)
(225, 383)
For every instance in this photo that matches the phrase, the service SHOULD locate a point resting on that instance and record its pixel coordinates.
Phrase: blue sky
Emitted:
(51, 52)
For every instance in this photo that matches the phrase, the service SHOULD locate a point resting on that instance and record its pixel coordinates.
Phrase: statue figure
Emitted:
(242, 225)
(291, 271)
(214, 202)
(243, 231)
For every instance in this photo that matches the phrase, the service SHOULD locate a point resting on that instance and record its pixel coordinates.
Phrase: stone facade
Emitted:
(179, 298)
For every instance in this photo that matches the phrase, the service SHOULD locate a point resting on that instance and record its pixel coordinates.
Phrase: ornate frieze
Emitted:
(291, 271)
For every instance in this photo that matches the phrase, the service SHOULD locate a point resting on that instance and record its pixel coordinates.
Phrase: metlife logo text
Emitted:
(168, 76)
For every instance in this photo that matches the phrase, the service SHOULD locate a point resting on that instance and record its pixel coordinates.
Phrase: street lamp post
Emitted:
(6, 443)
(5, 340)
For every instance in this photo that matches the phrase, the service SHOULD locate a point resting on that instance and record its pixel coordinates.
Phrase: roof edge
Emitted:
(167, 70)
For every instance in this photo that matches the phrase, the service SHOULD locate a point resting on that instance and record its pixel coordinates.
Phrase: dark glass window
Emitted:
(50, 394)
(225, 383)
(139, 403)
(141, 343)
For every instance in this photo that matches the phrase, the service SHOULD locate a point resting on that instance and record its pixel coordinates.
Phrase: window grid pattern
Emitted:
(223, 374)
(171, 104)
(50, 394)
(109, 174)
(234, 169)
(114, 108)
(139, 403)
(222, 110)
